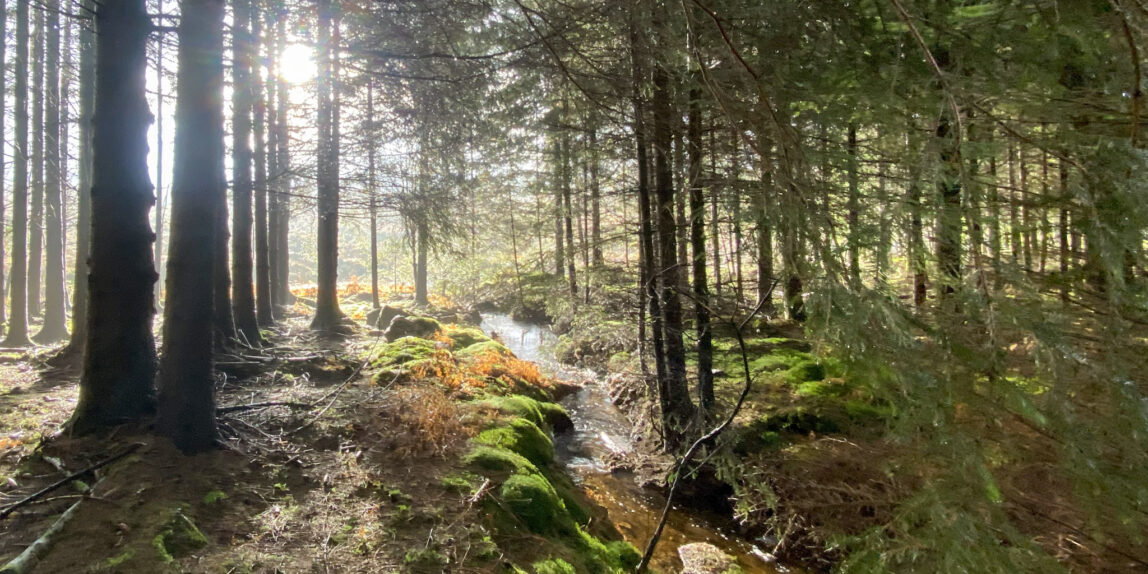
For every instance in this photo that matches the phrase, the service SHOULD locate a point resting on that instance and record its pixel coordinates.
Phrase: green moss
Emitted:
(800, 419)
(214, 496)
(805, 371)
(864, 413)
(459, 483)
(178, 537)
(523, 437)
(412, 326)
(403, 351)
(496, 459)
(542, 413)
(119, 558)
(830, 388)
(483, 347)
(535, 502)
(554, 566)
(463, 337)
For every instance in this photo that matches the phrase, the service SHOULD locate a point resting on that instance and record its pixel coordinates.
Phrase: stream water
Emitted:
(601, 429)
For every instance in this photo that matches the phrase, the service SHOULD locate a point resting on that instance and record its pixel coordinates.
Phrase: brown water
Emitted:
(600, 429)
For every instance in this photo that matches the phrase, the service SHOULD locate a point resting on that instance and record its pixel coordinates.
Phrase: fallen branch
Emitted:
(40, 494)
(32, 554)
(253, 406)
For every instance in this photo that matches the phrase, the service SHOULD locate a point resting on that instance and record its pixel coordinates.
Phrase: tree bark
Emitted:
(187, 401)
(595, 200)
(18, 292)
(159, 137)
(264, 309)
(678, 409)
(55, 327)
(282, 273)
(36, 223)
(117, 382)
(568, 213)
(83, 191)
(3, 165)
(328, 316)
(854, 211)
(373, 208)
(242, 268)
(949, 226)
(701, 288)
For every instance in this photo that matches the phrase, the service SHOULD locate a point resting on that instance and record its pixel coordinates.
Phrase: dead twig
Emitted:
(39, 494)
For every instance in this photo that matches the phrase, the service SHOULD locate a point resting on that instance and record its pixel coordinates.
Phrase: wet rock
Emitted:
(703, 558)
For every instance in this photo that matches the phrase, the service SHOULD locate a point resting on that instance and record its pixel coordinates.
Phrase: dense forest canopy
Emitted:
(869, 277)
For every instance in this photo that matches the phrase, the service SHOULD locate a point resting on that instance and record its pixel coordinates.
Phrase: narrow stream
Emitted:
(601, 429)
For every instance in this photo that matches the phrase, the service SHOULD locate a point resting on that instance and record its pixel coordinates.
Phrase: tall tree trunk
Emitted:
(994, 201)
(373, 207)
(678, 409)
(18, 292)
(854, 211)
(160, 205)
(1062, 224)
(264, 309)
(568, 213)
(422, 246)
(242, 258)
(715, 194)
(648, 275)
(701, 288)
(559, 229)
(763, 203)
(36, 223)
(328, 316)
(282, 261)
(1014, 206)
(949, 226)
(3, 165)
(84, 191)
(735, 204)
(187, 401)
(885, 226)
(595, 200)
(55, 327)
(681, 198)
(118, 379)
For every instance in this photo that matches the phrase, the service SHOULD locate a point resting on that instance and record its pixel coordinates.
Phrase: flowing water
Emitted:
(600, 429)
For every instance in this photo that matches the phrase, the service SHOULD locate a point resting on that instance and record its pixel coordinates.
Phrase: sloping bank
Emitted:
(540, 522)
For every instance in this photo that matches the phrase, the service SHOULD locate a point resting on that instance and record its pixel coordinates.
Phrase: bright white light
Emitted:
(297, 64)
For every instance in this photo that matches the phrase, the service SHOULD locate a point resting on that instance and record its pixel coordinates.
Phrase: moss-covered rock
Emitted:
(535, 502)
(542, 413)
(463, 337)
(400, 327)
(480, 348)
(523, 437)
(497, 459)
(554, 566)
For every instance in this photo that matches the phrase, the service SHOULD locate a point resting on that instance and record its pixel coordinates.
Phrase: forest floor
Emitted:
(411, 456)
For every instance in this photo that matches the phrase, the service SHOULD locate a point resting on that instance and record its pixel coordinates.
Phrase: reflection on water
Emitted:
(601, 429)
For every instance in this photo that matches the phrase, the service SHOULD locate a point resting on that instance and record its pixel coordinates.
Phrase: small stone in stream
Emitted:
(704, 558)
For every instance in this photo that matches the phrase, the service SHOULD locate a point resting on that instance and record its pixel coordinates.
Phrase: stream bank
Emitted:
(603, 434)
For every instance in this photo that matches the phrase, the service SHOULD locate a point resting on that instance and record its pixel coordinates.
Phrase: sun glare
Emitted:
(297, 64)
